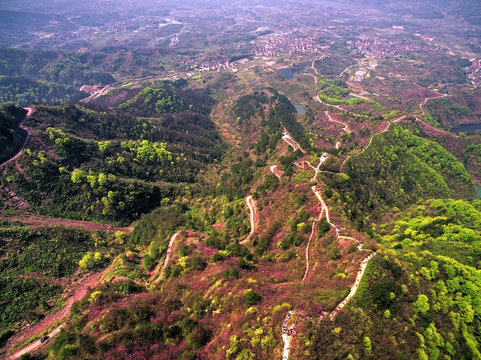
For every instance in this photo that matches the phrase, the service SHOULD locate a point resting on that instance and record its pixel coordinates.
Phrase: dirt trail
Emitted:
(338, 107)
(36, 344)
(288, 139)
(314, 77)
(36, 221)
(421, 105)
(74, 295)
(354, 287)
(212, 288)
(287, 335)
(313, 61)
(346, 126)
(431, 128)
(276, 171)
(364, 263)
(370, 139)
(367, 146)
(346, 69)
(251, 204)
(168, 256)
(313, 230)
(30, 111)
(434, 130)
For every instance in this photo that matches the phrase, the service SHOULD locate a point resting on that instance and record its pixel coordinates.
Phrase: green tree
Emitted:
(77, 176)
(421, 305)
(251, 297)
(198, 338)
(367, 345)
(104, 145)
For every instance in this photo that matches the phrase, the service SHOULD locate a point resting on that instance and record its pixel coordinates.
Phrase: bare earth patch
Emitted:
(36, 221)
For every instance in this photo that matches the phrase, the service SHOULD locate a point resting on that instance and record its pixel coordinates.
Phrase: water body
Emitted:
(289, 73)
(478, 190)
(351, 96)
(467, 128)
(300, 109)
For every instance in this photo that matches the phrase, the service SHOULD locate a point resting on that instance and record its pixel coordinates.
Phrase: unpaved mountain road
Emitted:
(37, 344)
(168, 256)
(251, 204)
(346, 126)
(76, 294)
(29, 113)
(323, 213)
(276, 171)
(288, 139)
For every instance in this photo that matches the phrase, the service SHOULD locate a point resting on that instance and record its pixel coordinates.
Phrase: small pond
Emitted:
(300, 109)
(351, 96)
(467, 128)
(289, 73)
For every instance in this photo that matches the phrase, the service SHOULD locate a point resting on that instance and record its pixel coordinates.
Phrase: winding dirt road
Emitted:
(421, 105)
(251, 204)
(338, 107)
(37, 344)
(288, 139)
(346, 69)
(324, 212)
(276, 171)
(346, 126)
(313, 61)
(431, 128)
(364, 263)
(168, 256)
(313, 230)
(366, 147)
(76, 294)
(354, 287)
(19, 153)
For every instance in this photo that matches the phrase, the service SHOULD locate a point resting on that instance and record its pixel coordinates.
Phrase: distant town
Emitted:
(285, 45)
(381, 48)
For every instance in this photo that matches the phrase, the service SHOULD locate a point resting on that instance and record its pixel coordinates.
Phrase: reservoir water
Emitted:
(467, 127)
(289, 73)
(478, 190)
(351, 96)
(300, 109)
